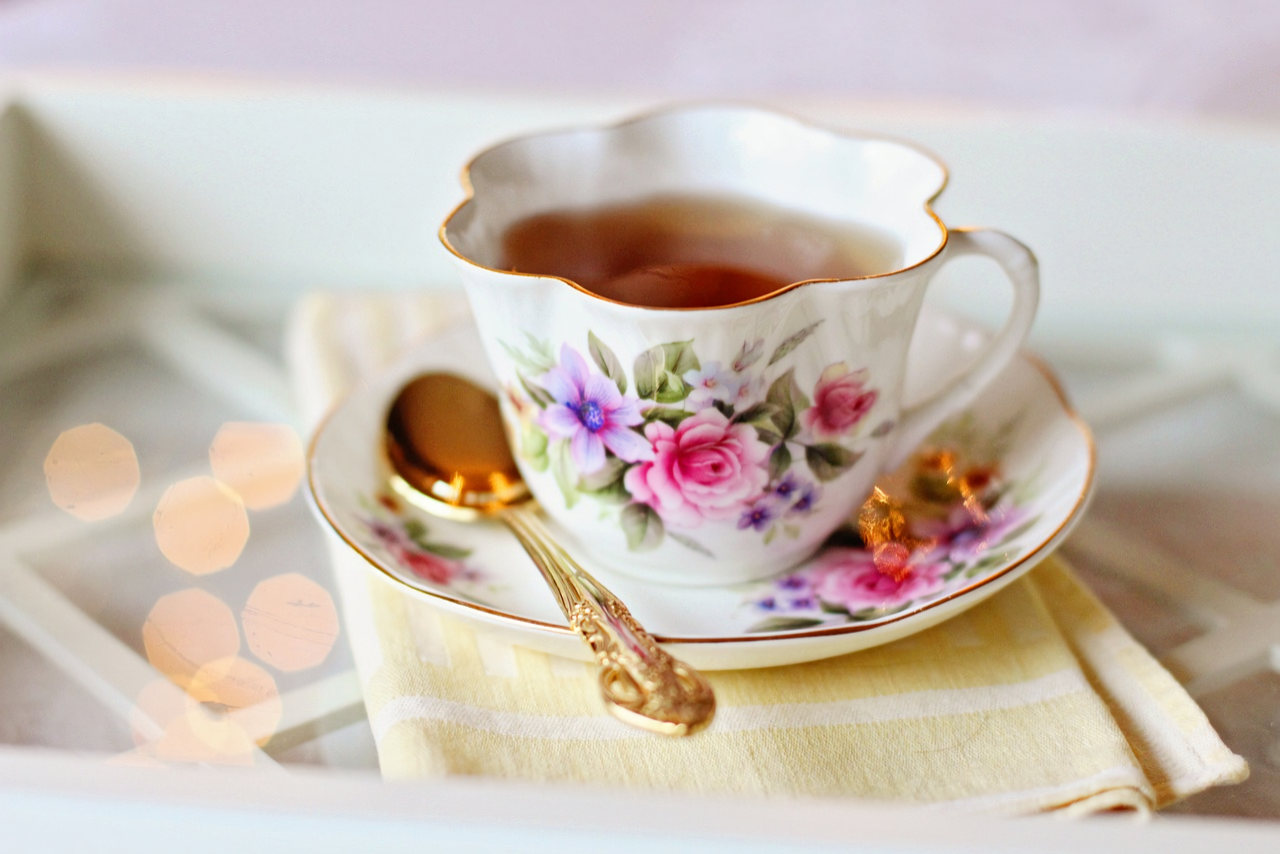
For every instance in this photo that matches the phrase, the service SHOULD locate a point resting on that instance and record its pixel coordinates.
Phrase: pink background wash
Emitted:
(1215, 57)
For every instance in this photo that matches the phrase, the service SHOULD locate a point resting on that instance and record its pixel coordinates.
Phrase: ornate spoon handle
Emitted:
(642, 685)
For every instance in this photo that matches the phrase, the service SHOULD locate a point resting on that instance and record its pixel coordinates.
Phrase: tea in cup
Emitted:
(692, 251)
(700, 322)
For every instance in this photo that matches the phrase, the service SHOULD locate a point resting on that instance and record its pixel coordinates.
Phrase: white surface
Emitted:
(59, 803)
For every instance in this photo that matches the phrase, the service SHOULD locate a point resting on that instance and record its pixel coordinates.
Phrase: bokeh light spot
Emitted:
(262, 462)
(92, 472)
(188, 630)
(241, 703)
(201, 525)
(163, 705)
(290, 622)
(157, 705)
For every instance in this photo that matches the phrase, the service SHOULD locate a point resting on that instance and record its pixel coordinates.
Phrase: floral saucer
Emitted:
(988, 496)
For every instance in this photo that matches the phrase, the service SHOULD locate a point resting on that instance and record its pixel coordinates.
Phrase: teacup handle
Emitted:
(1019, 264)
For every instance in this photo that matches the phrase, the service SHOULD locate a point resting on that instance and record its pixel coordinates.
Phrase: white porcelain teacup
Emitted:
(720, 444)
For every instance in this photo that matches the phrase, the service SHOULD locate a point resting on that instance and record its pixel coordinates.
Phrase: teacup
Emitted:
(717, 444)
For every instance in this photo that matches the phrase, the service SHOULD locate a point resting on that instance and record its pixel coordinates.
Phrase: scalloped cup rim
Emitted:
(619, 129)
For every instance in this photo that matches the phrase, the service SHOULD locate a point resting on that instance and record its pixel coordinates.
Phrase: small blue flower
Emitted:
(806, 500)
(758, 516)
(768, 603)
(792, 582)
(787, 487)
(709, 384)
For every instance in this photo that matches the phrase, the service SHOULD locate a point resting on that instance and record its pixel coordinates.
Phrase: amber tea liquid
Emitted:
(692, 251)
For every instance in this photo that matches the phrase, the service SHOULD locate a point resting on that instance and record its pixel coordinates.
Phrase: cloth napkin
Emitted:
(1037, 699)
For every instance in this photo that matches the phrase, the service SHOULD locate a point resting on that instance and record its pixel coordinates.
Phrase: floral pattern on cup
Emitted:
(958, 521)
(679, 441)
(406, 541)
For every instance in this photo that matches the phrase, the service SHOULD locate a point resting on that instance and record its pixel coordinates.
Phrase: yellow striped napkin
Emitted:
(1035, 700)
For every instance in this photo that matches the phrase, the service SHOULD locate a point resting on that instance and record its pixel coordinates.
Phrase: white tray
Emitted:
(185, 217)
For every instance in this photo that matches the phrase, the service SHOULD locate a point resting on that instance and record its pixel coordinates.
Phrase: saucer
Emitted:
(991, 493)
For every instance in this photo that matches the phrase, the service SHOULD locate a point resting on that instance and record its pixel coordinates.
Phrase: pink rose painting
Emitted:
(407, 543)
(705, 468)
(429, 567)
(857, 579)
(840, 400)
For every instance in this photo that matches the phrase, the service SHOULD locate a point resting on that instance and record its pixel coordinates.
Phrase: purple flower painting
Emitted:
(592, 414)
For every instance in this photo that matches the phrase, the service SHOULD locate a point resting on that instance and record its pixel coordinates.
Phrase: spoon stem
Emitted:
(641, 683)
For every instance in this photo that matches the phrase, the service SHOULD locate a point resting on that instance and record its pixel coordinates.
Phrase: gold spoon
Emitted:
(449, 456)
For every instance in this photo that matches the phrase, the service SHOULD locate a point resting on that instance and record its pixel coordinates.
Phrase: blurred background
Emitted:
(1205, 57)
(1108, 104)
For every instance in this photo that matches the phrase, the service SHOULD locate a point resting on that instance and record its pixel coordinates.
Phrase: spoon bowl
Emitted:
(445, 443)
